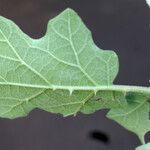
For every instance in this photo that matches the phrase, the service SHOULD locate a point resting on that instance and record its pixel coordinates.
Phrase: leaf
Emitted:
(134, 115)
(148, 2)
(130, 110)
(63, 72)
(63, 59)
(144, 147)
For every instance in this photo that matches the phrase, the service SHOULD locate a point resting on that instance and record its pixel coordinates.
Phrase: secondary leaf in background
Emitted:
(148, 2)
(144, 147)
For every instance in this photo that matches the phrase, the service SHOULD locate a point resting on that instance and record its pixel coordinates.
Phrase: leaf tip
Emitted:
(69, 10)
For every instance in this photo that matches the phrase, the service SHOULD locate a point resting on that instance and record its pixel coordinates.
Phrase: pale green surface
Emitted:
(144, 147)
(65, 72)
(148, 2)
(63, 59)
(131, 111)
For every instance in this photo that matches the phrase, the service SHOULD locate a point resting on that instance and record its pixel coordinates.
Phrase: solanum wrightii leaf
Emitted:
(144, 147)
(148, 2)
(65, 72)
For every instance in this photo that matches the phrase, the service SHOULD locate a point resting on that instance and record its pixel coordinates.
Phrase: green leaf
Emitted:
(144, 147)
(31, 69)
(134, 115)
(148, 2)
(64, 72)
(130, 110)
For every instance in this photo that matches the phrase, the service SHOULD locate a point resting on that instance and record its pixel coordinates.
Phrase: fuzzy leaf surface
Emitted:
(62, 72)
(65, 58)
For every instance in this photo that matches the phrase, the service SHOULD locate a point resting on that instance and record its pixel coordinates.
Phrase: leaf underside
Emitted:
(144, 147)
(49, 73)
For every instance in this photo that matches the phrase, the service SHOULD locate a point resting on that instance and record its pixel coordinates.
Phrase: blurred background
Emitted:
(119, 25)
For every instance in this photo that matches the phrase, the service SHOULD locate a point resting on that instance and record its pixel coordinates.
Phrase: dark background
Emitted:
(120, 25)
